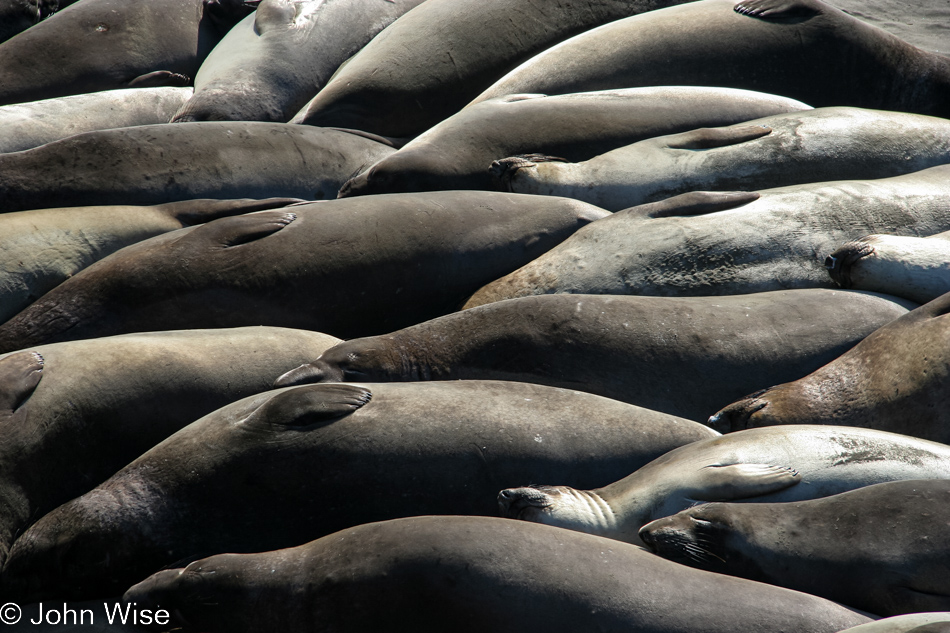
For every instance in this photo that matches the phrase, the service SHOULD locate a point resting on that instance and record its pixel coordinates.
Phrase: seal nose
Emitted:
(646, 535)
(505, 498)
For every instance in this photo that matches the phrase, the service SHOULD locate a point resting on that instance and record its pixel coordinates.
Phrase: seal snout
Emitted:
(738, 415)
(513, 503)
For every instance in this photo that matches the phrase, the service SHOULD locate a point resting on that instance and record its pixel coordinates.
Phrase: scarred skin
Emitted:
(676, 355)
(271, 63)
(894, 380)
(718, 243)
(480, 574)
(882, 548)
(346, 267)
(107, 44)
(758, 465)
(428, 64)
(44, 247)
(72, 414)
(777, 46)
(154, 164)
(292, 465)
(456, 153)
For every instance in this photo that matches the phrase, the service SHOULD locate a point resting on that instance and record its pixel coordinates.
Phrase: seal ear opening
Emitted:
(20, 374)
(313, 406)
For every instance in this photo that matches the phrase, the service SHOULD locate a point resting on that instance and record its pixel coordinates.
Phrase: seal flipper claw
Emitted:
(20, 374)
(312, 406)
(242, 229)
(778, 9)
(160, 78)
(739, 481)
(693, 203)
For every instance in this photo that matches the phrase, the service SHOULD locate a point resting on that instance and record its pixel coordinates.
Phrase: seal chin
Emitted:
(317, 371)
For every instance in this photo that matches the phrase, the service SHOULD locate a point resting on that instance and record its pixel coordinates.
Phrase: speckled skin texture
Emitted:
(768, 240)
(894, 380)
(882, 549)
(74, 418)
(426, 66)
(677, 355)
(784, 50)
(456, 153)
(108, 44)
(28, 125)
(818, 145)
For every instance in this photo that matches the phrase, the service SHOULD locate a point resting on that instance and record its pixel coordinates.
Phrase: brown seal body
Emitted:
(456, 153)
(75, 413)
(42, 248)
(677, 355)
(154, 164)
(781, 47)
(883, 548)
(346, 267)
(107, 44)
(894, 380)
(479, 574)
(428, 64)
(291, 465)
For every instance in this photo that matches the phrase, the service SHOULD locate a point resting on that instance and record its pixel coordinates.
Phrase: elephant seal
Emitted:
(911, 267)
(776, 151)
(153, 164)
(42, 248)
(932, 622)
(455, 153)
(272, 62)
(29, 125)
(72, 414)
(17, 16)
(880, 549)
(708, 243)
(894, 380)
(295, 464)
(430, 62)
(676, 355)
(98, 45)
(758, 465)
(346, 267)
(777, 46)
(480, 574)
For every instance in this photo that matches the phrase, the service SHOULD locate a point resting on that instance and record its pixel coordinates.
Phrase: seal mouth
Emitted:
(687, 540)
(738, 415)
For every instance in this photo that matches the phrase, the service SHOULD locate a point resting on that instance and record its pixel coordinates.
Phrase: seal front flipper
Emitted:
(307, 407)
(504, 169)
(713, 137)
(693, 203)
(779, 9)
(192, 212)
(718, 482)
(20, 373)
(159, 79)
(242, 229)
